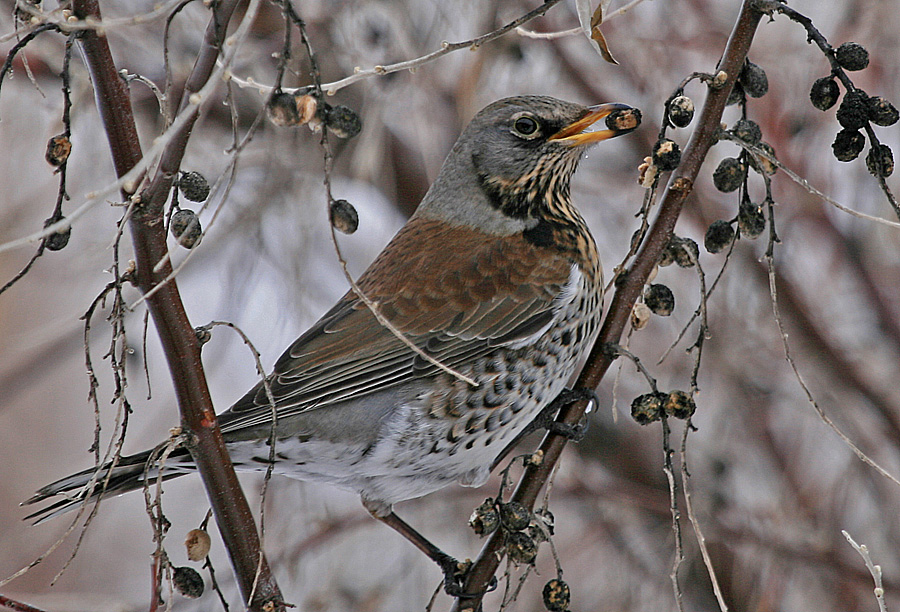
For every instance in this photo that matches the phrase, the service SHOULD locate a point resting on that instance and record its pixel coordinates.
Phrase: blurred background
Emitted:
(772, 485)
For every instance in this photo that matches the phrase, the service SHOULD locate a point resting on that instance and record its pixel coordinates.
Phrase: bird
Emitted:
(494, 284)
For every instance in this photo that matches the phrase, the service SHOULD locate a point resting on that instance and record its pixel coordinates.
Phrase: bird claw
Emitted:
(546, 420)
(455, 574)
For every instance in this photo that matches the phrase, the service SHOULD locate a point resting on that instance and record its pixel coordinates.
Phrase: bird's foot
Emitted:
(547, 417)
(455, 574)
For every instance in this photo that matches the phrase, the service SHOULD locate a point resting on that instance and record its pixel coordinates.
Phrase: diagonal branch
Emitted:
(178, 338)
(629, 287)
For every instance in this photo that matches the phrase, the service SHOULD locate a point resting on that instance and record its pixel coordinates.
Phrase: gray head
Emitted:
(515, 157)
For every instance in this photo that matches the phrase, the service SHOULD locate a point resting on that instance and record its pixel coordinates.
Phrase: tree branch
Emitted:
(629, 287)
(176, 334)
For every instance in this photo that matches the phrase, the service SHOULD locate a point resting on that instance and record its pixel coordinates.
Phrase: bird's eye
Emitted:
(526, 127)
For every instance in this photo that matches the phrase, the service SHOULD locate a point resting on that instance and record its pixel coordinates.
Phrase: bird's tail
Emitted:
(128, 474)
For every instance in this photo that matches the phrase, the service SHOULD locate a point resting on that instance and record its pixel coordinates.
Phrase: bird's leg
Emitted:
(454, 571)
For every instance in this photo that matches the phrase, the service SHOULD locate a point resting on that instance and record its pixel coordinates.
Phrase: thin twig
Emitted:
(874, 569)
(446, 47)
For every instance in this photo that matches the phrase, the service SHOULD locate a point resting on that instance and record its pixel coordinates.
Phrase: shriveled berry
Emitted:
(751, 220)
(852, 56)
(485, 519)
(747, 130)
(542, 525)
(824, 93)
(624, 120)
(659, 299)
(853, 113)
(648, 407)
(754, 80)
(848, 144)
(188, 581)
(880, 161)
(282, 110)
(194, 186)
(185, 226)
(343, 122)
(666, 154)
(679, 405)
(640, 316)
(684, 250)
(344, 217)
(718, 236)
(197, 543)
(58, 149)
(760, 163)
(57, 241)
(729, 174)
(681, 111)
(514, 516)
(882, 112)
(520, 547)
(556, 595)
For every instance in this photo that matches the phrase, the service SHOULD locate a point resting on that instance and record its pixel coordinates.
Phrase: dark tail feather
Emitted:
(129, 474)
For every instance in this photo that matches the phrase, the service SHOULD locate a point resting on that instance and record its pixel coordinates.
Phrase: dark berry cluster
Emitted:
(650, 407)
(856, 112)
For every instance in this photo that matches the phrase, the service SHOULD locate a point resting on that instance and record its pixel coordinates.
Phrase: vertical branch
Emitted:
(629, 287)
(179, 341)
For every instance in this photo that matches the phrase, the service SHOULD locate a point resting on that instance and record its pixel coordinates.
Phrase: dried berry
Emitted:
(882, 112)
(760, 163)
(852, 56)
(342, 121)
(640, 316)
(344, 217)
(188, 581)
(853, 113)
(679, 405)
(751, 221)
(754, 80)
(848, 144)
(681, 111)
(666, 154)
(556, 595)
(185, 226)
(485, 519)
(880, 161)
(541, 526)
(282, 110)
(520, 547)
(684, 251)
(57, 240)
(197, 542)
(718, 236)
(58, 149)
(624, 120)
(659, 299)
(747, 130)
(194, 186)
(729, 174)
(648, 407)
(824, 93)
(514, 516)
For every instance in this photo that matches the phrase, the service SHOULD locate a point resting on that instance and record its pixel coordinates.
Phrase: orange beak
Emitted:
(626, 120)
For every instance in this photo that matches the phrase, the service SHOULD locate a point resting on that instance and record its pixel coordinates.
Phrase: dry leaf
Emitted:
(590, 20)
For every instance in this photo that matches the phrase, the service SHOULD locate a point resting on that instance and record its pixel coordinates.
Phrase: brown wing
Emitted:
(455, 292)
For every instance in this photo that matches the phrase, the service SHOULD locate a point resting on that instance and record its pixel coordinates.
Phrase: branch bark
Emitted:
(629, 287)
(179, 341)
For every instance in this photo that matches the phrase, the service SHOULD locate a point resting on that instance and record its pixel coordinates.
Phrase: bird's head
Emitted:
(518, 154)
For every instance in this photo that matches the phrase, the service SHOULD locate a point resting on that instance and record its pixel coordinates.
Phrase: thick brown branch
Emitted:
(176, 334)
(627, 291)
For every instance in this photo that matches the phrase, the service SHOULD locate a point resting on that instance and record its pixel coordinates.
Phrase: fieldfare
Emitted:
(495, 276)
